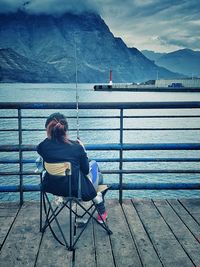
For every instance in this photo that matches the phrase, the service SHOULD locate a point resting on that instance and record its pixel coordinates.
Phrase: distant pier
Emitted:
(143, 88)
(161, 85)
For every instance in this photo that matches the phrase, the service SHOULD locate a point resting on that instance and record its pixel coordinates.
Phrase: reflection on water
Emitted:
(67, 92)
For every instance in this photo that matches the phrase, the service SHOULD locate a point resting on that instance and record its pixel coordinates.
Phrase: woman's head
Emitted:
(56, 126)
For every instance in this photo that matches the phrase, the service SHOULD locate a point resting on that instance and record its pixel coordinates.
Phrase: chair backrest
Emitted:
(79, 187)
(61, 169)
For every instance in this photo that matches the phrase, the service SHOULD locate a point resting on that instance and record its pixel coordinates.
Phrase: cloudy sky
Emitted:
(159, 25)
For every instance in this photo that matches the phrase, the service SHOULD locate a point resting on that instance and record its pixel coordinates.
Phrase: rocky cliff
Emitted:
(55, 40)
(17, 68)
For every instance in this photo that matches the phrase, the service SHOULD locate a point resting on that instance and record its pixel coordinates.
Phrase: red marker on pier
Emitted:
(110, 83)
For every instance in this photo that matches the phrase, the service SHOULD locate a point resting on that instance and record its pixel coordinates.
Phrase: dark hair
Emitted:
(57, 126)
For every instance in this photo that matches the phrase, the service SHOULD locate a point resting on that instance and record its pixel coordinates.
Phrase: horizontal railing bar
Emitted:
(161, 116)
(156, 186)
(148, 171)
(108, 117)
(161, 129)
(15, 161)
(149, 160)
(7, 161)
(153, 146)
(74, 117)
(114, 146)
(16, 188)
(38, 130)
(19, 173)
(100, 105)
(110, 172)
(68, 117)
(107, 129)
(115, 186)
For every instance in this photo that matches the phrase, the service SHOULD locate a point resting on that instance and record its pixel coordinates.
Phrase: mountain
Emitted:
(152, 55)
(17, 68)
(184, 61)
(55, 40)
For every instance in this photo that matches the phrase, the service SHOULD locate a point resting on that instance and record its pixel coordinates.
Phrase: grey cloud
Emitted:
(146, 24)
(61, 6)
(174, 23)
(183, 41)
(7, 6)
(48, 6)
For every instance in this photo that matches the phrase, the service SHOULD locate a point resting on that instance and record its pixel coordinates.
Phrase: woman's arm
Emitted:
(84, 162)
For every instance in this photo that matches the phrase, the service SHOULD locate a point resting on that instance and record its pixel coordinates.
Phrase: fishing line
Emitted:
(77, 96)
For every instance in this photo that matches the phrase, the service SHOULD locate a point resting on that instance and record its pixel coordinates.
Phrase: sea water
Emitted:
(19, 92)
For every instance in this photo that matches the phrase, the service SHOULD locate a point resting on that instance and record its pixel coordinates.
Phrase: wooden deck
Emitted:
(145, 233)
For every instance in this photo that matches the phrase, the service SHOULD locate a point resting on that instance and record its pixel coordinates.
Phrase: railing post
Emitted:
(20, 157)
(121, 157)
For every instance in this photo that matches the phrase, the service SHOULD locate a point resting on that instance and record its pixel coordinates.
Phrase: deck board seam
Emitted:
(174, 234)
(94, 242)
(132, 235)
(38, 252)
(183, 220)
(154, 247)
(112, 250)
(188, 211)
(109, 237)
(8, 232)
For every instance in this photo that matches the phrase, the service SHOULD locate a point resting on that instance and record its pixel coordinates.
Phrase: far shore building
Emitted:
(186, 82)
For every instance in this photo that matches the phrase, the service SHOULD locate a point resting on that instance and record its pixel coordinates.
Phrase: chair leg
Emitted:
(51, 215)
(48, 224)
(103, 225)
(84, 227)
(70, 227)
(41, 207)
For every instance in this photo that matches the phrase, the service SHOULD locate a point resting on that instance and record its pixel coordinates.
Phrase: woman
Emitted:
(57, 148)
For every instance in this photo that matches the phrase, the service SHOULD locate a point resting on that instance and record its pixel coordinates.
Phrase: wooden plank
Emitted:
(145, 247)
(51, 252)
(6, 223)
(187, 219)
(8, 212)
(85, 248)
(168, 248)
(193, 207)
(104, 255)
(123, 246)
(21, 245)
(8, 209)
(182, 233)
(9, 205)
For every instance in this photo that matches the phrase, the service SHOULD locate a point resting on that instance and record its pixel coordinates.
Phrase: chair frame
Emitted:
(51, 214)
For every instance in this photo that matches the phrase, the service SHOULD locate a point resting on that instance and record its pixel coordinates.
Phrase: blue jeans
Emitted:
(95, 175)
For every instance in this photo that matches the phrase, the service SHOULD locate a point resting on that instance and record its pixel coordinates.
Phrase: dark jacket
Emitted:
(53, 152)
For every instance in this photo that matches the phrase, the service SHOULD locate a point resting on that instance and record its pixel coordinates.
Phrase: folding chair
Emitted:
(63, 172)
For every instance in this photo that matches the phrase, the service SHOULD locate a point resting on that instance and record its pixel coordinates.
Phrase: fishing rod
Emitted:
(77, 96)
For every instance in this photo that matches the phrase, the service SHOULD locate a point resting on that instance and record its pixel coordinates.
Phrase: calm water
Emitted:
(67, 92)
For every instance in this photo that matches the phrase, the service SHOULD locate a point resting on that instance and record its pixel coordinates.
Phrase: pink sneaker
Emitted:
(104, 217)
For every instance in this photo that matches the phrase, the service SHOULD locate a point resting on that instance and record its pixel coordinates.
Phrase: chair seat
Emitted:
(101, 188)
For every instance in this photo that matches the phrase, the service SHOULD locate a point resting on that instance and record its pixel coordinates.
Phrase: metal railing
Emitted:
(121, 147)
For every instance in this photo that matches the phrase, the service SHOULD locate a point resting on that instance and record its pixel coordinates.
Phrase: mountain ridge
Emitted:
(184, 61)
(52, 40)
(22, 69)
